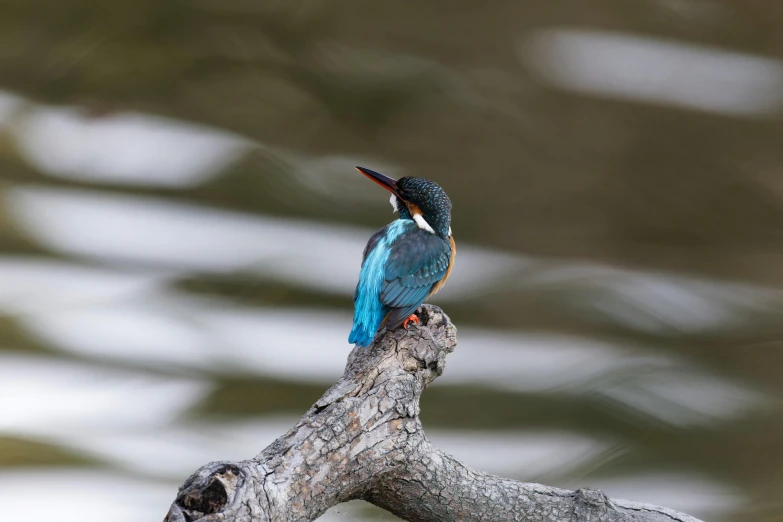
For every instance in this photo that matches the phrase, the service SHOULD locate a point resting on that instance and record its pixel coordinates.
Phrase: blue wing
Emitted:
(417, 262)
(369, 311)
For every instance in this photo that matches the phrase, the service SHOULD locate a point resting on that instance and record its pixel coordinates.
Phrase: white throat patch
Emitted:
(393, 200)
(419, 219)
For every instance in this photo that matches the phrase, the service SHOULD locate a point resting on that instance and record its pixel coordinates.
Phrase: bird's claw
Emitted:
(411, 318)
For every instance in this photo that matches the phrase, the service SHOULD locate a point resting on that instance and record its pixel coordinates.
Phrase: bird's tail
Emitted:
(361, 335)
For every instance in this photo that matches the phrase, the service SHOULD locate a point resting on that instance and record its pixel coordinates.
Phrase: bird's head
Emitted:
(419, 199)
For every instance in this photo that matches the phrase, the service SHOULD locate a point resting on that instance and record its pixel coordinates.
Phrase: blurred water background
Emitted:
(181, 229)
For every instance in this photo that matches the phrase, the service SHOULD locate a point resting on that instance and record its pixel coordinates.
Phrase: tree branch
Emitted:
(363, 440)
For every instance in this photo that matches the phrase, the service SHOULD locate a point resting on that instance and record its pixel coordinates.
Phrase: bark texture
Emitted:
(363, 440)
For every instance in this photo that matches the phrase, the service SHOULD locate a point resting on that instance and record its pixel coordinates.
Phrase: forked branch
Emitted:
(363, 440)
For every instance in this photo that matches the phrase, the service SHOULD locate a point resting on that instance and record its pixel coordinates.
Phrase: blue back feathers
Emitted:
(368, 309)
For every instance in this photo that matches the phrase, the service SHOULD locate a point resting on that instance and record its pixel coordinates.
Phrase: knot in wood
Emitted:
(207, 492)
(423, 348)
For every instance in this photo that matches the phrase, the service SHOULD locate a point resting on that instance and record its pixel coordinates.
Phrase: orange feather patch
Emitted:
(413, 208)
(442, 282)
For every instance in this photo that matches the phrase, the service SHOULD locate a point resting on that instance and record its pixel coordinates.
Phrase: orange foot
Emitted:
(411, 319)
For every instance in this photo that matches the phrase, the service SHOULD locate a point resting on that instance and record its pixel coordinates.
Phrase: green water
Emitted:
(181, 227)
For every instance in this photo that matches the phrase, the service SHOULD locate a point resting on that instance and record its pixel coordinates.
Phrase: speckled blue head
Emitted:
(419, 199)
(425, 197)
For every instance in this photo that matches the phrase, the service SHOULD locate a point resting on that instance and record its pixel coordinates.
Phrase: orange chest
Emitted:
(442, 282)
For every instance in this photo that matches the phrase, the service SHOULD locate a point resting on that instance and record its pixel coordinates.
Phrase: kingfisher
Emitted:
(407, 261)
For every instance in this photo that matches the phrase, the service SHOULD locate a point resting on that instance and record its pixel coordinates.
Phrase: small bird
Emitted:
(405, 262)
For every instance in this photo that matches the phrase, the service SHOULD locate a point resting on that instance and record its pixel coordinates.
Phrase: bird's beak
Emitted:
(386, 182)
